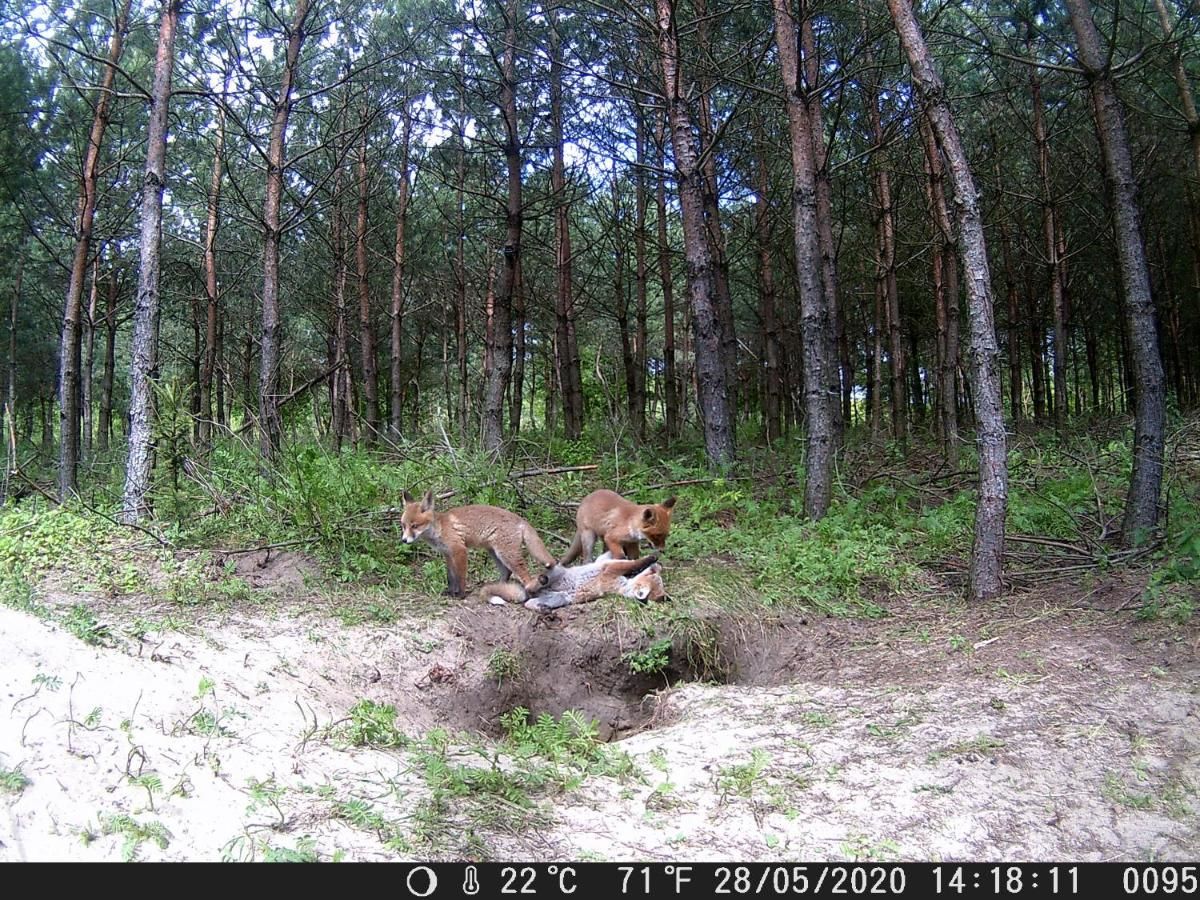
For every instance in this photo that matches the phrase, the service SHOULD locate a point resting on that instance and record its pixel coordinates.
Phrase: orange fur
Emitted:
(453, 531)
(620, 523)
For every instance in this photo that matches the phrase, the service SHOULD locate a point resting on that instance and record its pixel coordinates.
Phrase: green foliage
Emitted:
(373, 725)
(652, 660)
(135, 834)
(503, 664)
(82, 623)
(13, 781)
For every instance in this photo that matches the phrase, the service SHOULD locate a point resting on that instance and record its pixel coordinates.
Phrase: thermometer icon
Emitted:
(471, 882)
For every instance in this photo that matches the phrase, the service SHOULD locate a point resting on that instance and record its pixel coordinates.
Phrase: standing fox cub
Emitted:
(640, 579)
(451, 532)
(620, 524)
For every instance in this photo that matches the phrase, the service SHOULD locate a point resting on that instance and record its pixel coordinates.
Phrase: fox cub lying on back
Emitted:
(620, 524)
(639, 579)
(451, 532)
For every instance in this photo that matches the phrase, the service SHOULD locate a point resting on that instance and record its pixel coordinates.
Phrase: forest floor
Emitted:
(1053, 723)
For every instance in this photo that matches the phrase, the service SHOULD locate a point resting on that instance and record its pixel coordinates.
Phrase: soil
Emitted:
(1052, 723)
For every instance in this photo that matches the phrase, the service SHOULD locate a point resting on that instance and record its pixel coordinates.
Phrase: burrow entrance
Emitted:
(608, 670)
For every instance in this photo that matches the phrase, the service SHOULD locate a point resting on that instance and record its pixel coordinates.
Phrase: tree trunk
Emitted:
(10, 381)
(89, 356)
(270, 423)
(501, 318)
(710, 193)
(670, 377)
(1015, 385)
(766, 291)
(1186, 100)
(638, 405)
(396, 380)
(366, 331)
(210, 288)
(987, 554)
(517, 379)
(568, 370)
(342, 376)
(713, 400)
(460, 266)
(621, 303)
(1053, 270)
(110, 344)
(945, 298)
(820, 403)
(143, 371)
(838, 375)
(888, 297)
(1141, 507)
(68, 381)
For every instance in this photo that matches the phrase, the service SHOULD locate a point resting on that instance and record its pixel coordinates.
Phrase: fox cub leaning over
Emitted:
(620, 524)
(640, 579)
(452, 531)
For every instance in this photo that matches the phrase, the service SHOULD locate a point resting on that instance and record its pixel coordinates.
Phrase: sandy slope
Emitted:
(1093, 758)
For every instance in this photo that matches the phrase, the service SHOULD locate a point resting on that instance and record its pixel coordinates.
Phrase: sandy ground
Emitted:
(1073, 735)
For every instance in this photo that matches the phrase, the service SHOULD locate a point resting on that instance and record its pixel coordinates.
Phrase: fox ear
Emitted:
(427, 501)
(408, 497)
(647, 515)
(669, 502)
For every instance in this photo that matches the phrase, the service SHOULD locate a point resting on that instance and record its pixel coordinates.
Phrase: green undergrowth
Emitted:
(468, 786)
(739, 542)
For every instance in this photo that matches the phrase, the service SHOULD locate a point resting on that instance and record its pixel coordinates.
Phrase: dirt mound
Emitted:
(591, 660)
(275, 570)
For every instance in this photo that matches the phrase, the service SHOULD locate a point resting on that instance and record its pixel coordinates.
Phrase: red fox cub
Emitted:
(451, 532)
(620, 524)
(639, 579)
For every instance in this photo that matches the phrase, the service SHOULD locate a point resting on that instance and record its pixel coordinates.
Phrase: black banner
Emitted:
(584, 881)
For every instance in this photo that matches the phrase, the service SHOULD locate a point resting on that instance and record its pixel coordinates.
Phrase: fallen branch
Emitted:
(296, 393)
(557, 470)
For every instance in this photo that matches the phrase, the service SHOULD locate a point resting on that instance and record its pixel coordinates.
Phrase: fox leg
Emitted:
(456, 572)
(631, 549)
(515, 565)
(504, 570)
(588, 543)
(629, 567)
(615, 547)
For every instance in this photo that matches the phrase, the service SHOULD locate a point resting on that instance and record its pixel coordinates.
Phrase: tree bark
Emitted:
(713, 400)
(10, 381)
(945, 298)
(987, 553)
(839, 375)
(638, 405)
(501, 318)
(342, 378)
(366, 330)
(1141, 506)
(104, 435)
(270, 423)
(1182, 84)
(820, 403)
(68, 381)
(517, 377)
(89, 356)
(887, 293)
(1015, 383)
(670, 376)
(396, 380)
(766, 292)
(1053, 269)
(568, 369)
(213, 223)
(710, 193)
(143, 371)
